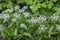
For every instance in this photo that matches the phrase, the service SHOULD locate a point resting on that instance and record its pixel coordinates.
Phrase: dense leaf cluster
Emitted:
(29, 19)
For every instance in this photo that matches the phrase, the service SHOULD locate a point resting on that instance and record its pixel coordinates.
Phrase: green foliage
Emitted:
(29, 30)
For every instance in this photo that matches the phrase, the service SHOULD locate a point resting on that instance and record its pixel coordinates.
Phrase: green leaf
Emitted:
(0, 6)
(28, 35)
(9, 5)
(43, 5)
(29, 1)
(4, 5)
(50, 30)
(35, 7)
(19, 1)
(15, 32)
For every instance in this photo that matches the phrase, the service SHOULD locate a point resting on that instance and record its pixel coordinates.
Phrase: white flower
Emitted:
(22, 25)
(25, 7)
(36, 19)
(31, 7)
(21, 10)
(33, 20)
(42, 18)
(16, 15)
(54, 17)
(14, 19)
(5, 16)
(42, 28)
(58, 27)
(9, 10)
(26, 14)
(17, 7)
(1, 27)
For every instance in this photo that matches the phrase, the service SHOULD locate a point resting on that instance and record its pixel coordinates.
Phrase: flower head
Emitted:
(16, 15)
(22, 25)
(58, 27)
(42, 28)
(32, 20)
(25, 7)
(9, 10)
(5, 16)
(21, 10)
(31, 7)
(37, 19)
(14, 19)
(26, 14)
(54, 17)
(42, 18)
